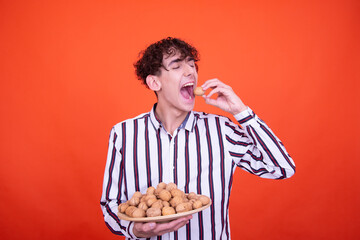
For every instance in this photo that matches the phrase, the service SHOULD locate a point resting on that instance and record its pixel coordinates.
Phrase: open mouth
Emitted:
(187, 90)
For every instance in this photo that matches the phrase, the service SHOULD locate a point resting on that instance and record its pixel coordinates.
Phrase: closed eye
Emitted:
(175, 63)
(190, 62)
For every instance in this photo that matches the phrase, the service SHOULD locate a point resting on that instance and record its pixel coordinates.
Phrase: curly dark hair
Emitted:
(151, 58)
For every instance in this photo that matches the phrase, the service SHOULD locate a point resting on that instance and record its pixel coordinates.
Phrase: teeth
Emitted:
(188, 84)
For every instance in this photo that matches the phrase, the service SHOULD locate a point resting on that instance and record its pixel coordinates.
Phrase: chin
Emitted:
(186, 105)
(189, 107)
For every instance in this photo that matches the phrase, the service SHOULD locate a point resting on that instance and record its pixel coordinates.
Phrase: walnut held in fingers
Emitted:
(199, 91)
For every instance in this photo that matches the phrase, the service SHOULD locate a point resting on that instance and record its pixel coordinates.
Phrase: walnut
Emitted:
(157, 204)
(183, 207)
(138, 212)
(177, 192)
(161, 185)
(170, 186)
(165, 195)
(150, 201)
(122, 207)
(192, 196)
(175, 201)
(166, 203)
(130, 210)
(143, 206)
(137, 194)
(150, 191)
(205, 200)
(168, 211)
(198, 91)
(134, 201)
(197, 204)
(153, 212)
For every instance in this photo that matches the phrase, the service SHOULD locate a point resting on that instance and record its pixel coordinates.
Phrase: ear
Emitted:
(153, 82)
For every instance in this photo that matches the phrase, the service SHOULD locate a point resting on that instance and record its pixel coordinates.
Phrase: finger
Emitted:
(211, 102)
(180, 225)
(176, 222)
(210, 83)
(184, 221)
(148, 226)
(142, 230)
(173, 225)
(219, 90)
(213, 83)
(175, 228)
(217, 85)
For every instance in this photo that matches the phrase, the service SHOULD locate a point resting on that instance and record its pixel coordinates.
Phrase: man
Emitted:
(197, 151)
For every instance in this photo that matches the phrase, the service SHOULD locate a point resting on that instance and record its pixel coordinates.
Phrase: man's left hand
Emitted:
(226, 99)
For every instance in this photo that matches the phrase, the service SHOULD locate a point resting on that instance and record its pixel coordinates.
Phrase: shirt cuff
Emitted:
(244, 118)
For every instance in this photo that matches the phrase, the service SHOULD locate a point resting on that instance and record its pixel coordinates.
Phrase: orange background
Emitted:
(67, 77)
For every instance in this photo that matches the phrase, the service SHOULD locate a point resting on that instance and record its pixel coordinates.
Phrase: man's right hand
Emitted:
(151, 229)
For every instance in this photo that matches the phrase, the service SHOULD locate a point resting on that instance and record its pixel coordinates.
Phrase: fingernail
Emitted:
(151, 225)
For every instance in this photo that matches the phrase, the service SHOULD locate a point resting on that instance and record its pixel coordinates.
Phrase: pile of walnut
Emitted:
(166, 199)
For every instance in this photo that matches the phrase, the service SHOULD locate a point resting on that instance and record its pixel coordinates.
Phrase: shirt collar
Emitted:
(187, 124)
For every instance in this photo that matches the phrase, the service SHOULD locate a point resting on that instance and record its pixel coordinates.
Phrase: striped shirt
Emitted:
(201, 156)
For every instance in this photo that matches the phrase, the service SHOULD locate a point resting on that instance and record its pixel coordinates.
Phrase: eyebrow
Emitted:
(175, 61)
(188, 59)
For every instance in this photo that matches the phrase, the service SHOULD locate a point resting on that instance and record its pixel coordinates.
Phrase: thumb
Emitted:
(210, 101)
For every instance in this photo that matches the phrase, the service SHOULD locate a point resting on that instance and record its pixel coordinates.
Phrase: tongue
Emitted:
(186, 92)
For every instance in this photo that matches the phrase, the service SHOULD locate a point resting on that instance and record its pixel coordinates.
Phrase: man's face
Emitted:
(178, 78)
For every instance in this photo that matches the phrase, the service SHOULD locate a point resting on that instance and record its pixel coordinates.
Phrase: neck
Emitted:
(171, 119)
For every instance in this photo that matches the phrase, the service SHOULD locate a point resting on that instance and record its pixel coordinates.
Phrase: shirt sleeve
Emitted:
(113, 188)
(256, 149)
